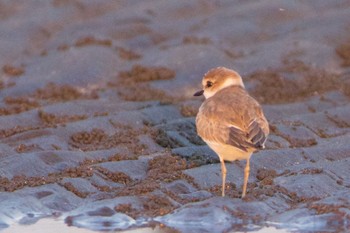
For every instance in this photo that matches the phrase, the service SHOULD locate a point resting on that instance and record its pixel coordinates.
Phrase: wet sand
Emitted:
(97, 114)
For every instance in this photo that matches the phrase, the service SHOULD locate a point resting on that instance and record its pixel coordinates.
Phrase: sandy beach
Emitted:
(97, 114)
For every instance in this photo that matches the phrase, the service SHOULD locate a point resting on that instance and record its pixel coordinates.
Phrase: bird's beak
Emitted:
(199, 93)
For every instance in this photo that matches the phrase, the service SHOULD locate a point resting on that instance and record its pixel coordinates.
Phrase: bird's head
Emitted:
(217, 79)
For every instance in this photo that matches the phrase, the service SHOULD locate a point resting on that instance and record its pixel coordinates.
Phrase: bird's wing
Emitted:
(252, 137)
(238, 138)
(241, 129)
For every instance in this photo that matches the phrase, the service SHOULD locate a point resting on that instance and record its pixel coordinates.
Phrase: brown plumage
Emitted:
(230, 121)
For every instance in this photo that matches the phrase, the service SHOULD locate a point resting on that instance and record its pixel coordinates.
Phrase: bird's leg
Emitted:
(223, 175)
(246, 175)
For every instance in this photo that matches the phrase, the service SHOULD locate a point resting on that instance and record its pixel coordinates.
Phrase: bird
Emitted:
(230, 121)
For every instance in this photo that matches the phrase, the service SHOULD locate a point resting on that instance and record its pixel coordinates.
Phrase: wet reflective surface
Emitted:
(97, 115)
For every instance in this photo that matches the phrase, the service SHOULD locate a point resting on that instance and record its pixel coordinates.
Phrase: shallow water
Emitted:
(50, 225)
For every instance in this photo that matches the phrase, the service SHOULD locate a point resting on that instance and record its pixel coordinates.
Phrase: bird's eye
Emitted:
(209, 84)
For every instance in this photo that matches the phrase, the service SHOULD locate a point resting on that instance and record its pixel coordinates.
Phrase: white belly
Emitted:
(229, 153)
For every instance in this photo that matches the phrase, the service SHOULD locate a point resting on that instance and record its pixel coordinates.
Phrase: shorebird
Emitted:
(230, 121)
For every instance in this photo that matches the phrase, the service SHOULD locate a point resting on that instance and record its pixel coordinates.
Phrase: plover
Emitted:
(230, 121)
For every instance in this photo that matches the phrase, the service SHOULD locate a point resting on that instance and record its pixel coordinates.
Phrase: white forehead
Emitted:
(230, 80)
